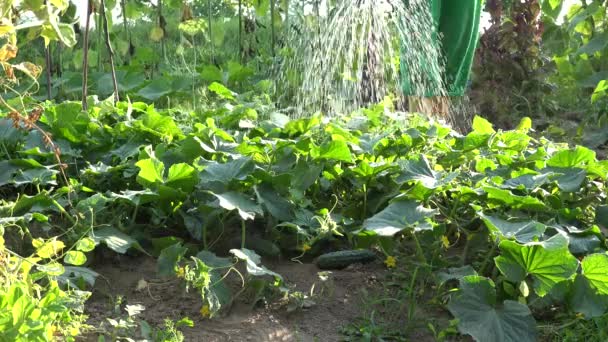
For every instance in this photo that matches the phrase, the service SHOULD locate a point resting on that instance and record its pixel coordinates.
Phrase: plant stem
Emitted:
(162, 25)
(8, 155)
(47, 54)
(85, 55)
(209, 12)
(63, 211)
(364, 201)
(98, 25)
(272, 28)
(412, 296)
(419, 250)
(205, 246)
(123, 6)
(240, 59)
(482, 269)
(104, 20)
(243, 233)
(465, 251)
(134, 215)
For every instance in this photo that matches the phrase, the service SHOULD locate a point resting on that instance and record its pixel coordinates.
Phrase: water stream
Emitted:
(351, 55)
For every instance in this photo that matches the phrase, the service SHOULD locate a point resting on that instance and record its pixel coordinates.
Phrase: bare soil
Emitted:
(340, 304)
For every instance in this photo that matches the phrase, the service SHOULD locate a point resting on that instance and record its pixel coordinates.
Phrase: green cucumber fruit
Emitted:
(341, 259)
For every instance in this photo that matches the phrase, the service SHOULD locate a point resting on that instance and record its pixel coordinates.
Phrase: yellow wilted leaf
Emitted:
(48, 249)
(8, 71)
(6, 27)
(28, 68)
(8, 51)
(157, 34)
(445, 242)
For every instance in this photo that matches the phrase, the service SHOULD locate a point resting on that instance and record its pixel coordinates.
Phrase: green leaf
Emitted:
(53, 269)
(213, 261)
(26, 203)
(116, 240)
(75, 258)
(221, 91)
(160, 125)
(277, 206)
(336, 150)
(85, 244)
(151, 171)
(474, 305)
(398, 216)
(568, 179)
(548, 262)
(237, 169)
(182, 176)
(595, 269)
(155, 89)
(455, 274)
(253, 262)
(527, 182)
(601, 215)
(168, 259)
(246, 208)
(514, 201)
(585, 299)
(578, 157)
(72, 275)
(596, 44)
(137, 197)
(552, 8)
(420, 170)
(521, 231)
(482, 126)
(211, 73)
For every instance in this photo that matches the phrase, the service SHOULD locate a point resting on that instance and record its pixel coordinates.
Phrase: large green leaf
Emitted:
(246, 208)
(155, 89)
(522, 231)
(568, 179)
(482, 126)
(548, 262)
(237, 169)
(116, 240)
(182, 176)
(221, 91)
(577, 157)
(398, 216)
(585, 299)
(161, 125)
(527, 182)
(589, 292)
(336, 150)
(253, 263)
(277, 206)
(151, 171)
(168, 259)
(455, 274)
(514, 201)
(218, 294)
(474, 305)
(420, 170)
(595, 269)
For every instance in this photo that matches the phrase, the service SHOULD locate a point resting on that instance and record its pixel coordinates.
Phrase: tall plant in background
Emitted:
(579, 48)
(509, 70)
(16, 16)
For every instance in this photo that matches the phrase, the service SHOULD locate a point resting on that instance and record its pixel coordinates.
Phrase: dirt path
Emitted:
(339, 305)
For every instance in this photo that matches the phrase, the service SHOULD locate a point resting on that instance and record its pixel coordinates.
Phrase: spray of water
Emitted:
(352, 56)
